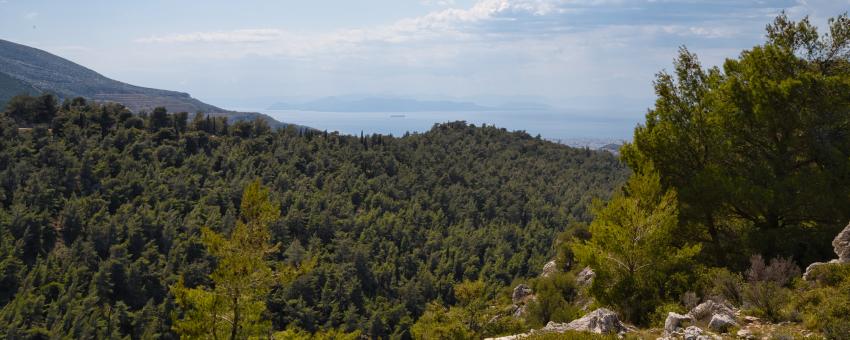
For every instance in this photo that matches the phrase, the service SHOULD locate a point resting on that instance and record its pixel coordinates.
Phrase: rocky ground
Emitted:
(707, 321)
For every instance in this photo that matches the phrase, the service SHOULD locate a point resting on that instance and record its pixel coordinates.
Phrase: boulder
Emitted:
(549, 268)
(695, 333)
(674, 322)
(706, 310)
(721, 323)
(585, 276)
(841, 245)
(521, 293)
(600, 321)
(520, 311)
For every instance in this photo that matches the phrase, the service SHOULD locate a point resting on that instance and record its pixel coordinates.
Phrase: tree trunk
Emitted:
(234, 329)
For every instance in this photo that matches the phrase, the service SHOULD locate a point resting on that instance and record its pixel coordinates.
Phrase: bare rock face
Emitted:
(674, 322)
(549, 268)
(600, 321)
(521, 293)
(721, 323)
(841, 245)
(585, 276)
(706, 310)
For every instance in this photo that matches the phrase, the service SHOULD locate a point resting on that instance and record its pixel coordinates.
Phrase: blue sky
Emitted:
(595, 54)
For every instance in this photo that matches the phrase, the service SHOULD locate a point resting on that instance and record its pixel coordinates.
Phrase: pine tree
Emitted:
(634, 252)
(233, 308)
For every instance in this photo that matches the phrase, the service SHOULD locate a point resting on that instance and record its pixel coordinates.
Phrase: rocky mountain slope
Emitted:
(24, 69)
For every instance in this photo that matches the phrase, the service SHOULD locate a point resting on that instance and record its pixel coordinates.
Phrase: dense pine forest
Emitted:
(725, 216)
(102, 211)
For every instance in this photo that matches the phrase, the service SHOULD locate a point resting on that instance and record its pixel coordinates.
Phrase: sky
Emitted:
(600, 55)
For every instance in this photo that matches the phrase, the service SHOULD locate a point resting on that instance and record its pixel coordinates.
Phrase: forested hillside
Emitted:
(27, 70)
(10, 87)
(741, 179)
(101, 213)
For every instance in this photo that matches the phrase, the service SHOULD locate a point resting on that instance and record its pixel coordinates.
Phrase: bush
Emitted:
(838, 330)
(554, 297)
(503, 325)
(781, 271)
(827, 308)
(727, 285)
(639, 260)
(564, 255)
(766, 299)
(690, 300)
(659, 316)
(439, 322)
(295, 333)
(830, 274)
(765, 293)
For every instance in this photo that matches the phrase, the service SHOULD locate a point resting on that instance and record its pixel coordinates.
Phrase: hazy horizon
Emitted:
(589, 57)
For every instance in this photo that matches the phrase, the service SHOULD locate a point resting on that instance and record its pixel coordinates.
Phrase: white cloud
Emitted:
(31, 15)
(543, 47)
(236, 36)
(439, 24)
(440, 36)
(440, 3)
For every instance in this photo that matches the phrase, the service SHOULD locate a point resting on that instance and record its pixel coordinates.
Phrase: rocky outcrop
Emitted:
(600, 321)
(674, 322)
(519, 311)
(719, 316)
(721, 323)
(841, 246)
(585, 277)
(695, 333)
(549, 268)
(707, 310)
(521, 293)
(521, 296)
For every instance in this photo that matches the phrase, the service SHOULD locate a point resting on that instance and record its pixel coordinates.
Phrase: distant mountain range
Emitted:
(27, 70)
(396, 104)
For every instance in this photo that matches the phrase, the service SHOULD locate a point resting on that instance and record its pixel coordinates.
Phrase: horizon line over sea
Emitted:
(563, 127)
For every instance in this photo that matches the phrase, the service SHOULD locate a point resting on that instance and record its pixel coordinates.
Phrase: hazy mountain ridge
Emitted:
(378, 104)
(24, 69)
(397, 104)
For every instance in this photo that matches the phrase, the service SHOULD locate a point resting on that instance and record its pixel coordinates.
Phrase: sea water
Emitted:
(557, 126)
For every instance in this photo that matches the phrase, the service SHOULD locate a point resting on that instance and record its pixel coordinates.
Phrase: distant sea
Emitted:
(567, 128)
